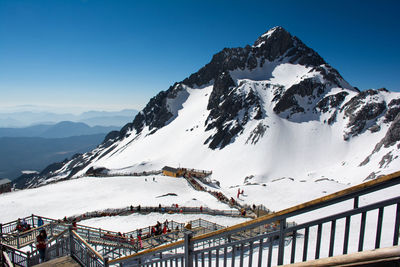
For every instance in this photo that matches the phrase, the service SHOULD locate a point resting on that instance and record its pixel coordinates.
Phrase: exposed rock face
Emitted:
(393, 110)
(363, 110)
(26, 180)
(392, 135)
(225, 106)
(275, 45)
(332, 101)
(287, 100)
(155, 114)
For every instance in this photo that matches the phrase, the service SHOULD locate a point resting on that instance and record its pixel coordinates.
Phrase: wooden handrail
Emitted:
(13, 248)
(87, 245)
(8, 261)
(358, 258)
(269, 217)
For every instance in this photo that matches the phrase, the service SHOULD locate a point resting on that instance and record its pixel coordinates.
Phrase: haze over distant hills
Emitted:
(29, 117)
(35, 147)
(60, 130)
(19, 154)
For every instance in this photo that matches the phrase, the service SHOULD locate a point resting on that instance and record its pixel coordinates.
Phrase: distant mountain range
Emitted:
(91, 118)
(18, 154)
(59, 130)
(33, 148)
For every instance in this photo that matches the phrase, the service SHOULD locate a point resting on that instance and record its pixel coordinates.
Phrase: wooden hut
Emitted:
(169, 171)
(5, 185)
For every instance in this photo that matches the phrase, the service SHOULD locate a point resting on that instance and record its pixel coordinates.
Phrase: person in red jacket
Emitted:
(164, 231)
(41, 244)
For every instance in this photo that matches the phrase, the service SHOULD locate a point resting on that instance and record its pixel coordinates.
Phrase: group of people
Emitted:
(160, 229)
(22, 226)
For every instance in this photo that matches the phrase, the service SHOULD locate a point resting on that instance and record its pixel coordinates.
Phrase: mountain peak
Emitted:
(276, 32)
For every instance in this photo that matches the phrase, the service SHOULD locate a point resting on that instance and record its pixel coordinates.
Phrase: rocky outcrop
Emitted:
(363, 111)
(308, 88)
(226, 120)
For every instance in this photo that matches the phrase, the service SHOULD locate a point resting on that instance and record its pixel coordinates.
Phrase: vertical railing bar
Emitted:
(346, 235)
(269, 259)
(250, 254)
(332, 238)
(225, 256)
(305, 246)
(281, 249)
(260, 251)
(209, 258)
(318, 245)
(356, 200)
(362, 231)
(196, 259)
(241, 255)
(293, 250)
(379, 228)
(233, 256)
(217, 257)
(396, 226)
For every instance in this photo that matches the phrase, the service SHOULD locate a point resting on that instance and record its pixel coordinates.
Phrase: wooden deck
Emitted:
(66, 261)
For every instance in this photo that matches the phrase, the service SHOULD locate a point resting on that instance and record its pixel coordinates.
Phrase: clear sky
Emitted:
(114, 54)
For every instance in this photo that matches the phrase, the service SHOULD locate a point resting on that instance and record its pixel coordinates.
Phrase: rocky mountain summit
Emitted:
(251, 96)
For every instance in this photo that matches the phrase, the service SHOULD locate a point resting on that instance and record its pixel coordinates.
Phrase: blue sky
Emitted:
(110, 55)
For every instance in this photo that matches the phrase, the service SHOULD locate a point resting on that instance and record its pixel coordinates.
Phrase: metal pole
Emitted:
(106, 262)
(71, 241)
(28, 259)
(282, 227)
(188, 249)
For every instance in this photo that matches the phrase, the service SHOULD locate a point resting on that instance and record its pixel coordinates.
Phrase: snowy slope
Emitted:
(88, 194)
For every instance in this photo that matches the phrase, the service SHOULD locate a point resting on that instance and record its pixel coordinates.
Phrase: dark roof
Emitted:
(4, 181)
(170, 169)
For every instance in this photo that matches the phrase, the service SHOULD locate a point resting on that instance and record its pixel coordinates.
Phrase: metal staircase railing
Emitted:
(268, 246)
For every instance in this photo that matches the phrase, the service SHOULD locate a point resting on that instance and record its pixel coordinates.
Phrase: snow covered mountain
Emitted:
(253, 115)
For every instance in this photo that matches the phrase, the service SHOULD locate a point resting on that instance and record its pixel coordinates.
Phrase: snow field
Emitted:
(86, 194)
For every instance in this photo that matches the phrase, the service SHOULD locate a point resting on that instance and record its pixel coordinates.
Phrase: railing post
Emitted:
(282, 226)
(355, 206)
(18, 239)
(106, 262)
(1, 254)
(1, 230)
(33, 221)
(28, 259)
(87, 256)
(188, 249)
(71, 241)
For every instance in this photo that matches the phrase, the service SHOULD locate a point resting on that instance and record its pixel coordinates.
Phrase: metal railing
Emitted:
(65, 243)
(83, 253)
(32, 221)
(266, 240)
